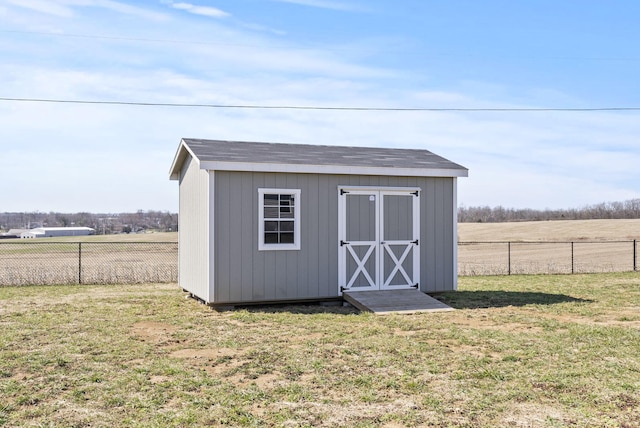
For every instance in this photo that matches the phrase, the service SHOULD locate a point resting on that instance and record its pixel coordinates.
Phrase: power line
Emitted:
(301, 107)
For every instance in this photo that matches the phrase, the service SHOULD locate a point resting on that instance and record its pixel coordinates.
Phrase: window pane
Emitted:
(270, 199)
(284, 199)
(286, 226)
(270, 238)
(270, 226)
(286, 213)
(286, 238)
(270, 212)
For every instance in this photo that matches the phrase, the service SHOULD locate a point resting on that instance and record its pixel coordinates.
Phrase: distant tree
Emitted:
(63, 220)
(606, 210)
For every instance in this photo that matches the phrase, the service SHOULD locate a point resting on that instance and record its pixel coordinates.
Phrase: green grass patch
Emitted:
(521, 351)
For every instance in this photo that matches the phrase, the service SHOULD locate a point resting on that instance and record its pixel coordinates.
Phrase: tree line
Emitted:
(164, 221)
(104, 223)
(606, 210)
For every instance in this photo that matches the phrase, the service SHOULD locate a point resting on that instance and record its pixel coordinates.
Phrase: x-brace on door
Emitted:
(379, 246)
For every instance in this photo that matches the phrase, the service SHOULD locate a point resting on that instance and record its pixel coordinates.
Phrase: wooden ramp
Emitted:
(394, 302)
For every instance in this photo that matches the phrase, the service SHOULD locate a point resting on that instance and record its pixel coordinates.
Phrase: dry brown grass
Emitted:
(46, 262)
(567, 230)
(545, 247)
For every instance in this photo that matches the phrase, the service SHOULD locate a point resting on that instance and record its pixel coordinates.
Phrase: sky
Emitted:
(495, 56)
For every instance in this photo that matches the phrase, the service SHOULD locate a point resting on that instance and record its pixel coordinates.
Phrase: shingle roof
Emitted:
(253, 156)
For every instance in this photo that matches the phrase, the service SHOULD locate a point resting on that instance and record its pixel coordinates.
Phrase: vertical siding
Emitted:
(327, 232)
(437, 228)
(223, 248)
(429, 245)
(440, 236)
(454, 233)
(248, 211)
(244, 274)
(235, 247)
(312, 234)
(258, 264)
(193, 254)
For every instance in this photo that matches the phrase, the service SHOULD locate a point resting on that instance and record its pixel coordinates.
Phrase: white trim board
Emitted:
(331, 169)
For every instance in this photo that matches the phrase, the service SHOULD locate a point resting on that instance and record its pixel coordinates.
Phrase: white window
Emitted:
(279, 219)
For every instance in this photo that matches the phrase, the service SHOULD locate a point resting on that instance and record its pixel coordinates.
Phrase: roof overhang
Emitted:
(178, 160)
(330, 169)
(183, 152)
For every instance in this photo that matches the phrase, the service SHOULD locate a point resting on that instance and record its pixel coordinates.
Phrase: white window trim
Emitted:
(296, 224)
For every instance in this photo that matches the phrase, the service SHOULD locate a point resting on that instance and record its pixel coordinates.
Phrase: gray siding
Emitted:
(244, 274)
(193, 254)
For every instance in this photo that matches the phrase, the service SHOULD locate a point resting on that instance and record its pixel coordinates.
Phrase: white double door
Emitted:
(379, 238)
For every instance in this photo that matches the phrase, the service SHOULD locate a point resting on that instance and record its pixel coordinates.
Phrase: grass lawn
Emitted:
(520, 351)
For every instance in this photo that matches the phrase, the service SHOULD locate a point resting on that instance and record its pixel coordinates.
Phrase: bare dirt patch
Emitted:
(223, 369)
(152, 331)
(267, 381)
(622, 318)
(505, 327)
(527, 415)
(206, 354)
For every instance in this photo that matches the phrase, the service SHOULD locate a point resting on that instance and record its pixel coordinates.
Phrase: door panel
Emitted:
(361, 217)
(399, 239)
(398, 265)
(360, 243)
(398, 217)
(379, 246)
(361, 266)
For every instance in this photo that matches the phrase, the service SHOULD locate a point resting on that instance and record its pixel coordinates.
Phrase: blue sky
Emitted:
(328, 53)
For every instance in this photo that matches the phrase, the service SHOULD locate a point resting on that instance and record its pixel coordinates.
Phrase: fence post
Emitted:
(635, 258)
(572, 270)
(509, 257)
(79, 262)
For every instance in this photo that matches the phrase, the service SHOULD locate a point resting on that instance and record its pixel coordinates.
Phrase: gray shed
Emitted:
(267, 222)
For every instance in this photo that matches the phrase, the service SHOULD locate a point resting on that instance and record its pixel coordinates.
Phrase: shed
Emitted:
(49, 232)
(273, 222)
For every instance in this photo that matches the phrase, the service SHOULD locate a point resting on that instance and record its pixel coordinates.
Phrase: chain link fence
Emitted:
(44, 263)
(518, 258)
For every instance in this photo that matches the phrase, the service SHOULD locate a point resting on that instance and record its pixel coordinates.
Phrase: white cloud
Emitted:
(200, 10)
(262, 28)
(65, 8)
(44, 6)
(323, 4)
(124, 8)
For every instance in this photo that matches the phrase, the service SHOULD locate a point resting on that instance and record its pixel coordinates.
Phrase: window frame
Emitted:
(262, 246)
